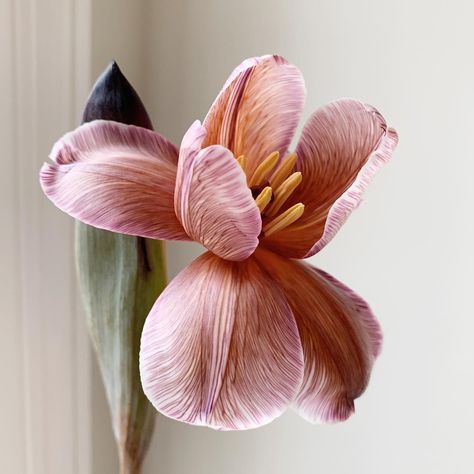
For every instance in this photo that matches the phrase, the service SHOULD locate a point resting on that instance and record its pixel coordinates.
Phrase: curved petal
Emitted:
(212, 199)
(258, 109)
(220, 347)
(191, 145)
(339, 334)
(116, 177)
(341, 148)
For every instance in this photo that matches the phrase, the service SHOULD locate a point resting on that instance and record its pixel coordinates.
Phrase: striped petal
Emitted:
(116, 177)
(339, 334)
(341, 148)
(220, 347)
(258, 109)
(212, 199)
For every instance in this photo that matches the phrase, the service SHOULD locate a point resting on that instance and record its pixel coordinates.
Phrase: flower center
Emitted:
(272, 186)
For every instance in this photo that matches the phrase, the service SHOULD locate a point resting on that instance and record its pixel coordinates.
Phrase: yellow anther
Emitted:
(284, 220)
(264, 169)
(283, 170)
(283, 192)
(242, 161)
(264, 198)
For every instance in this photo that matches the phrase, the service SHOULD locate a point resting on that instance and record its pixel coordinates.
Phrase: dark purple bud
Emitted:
(114, 98)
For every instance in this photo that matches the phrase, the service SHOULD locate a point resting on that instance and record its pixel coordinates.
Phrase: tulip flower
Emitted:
(248, 328)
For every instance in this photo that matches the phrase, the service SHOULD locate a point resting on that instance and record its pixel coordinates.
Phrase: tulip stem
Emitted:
(128, 465)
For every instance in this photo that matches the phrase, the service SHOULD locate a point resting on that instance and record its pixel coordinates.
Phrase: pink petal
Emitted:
(341, 148)
(220, 347)
(116, 177)
(339, 334)
(212, 199)
(258, 109)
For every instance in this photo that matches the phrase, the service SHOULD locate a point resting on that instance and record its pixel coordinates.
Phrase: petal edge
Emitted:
(352, 197)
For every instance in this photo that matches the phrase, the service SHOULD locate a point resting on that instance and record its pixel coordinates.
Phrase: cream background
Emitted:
(407, 250)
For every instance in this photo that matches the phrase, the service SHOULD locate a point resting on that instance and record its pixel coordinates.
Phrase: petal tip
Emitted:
(47, 176)
(335, 411)
(193, 138)
(393, 135)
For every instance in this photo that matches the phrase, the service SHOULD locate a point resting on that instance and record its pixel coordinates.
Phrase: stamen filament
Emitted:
(283, 192)
(242, 161)
(283, 170)
(264, 168)
(264, 198)
(284, 220)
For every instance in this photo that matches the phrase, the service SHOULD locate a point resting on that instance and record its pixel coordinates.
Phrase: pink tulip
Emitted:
(246, 329)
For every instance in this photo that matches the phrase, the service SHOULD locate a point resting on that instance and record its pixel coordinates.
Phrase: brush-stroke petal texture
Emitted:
(258, 110)
(116, 177)
(220, 347)
(212, 199)
(339, 334)
(341, 148)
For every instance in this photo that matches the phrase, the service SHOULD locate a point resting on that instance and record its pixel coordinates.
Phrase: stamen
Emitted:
(264, 168)
(284, 220)
(264, 198)
(283, 170)
(242, 161)
(283, 192)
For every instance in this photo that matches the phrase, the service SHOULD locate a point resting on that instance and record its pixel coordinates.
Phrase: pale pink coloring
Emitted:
(245, 330)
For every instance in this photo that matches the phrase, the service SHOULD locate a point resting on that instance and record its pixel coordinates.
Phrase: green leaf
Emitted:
(120, 277)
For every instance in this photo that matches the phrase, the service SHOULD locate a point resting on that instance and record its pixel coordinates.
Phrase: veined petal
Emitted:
(212, 199)
(341, 148)
(258, 109)
(116, 177)
(220, 347)
(339, 334)
(191, 145)
(228, 97)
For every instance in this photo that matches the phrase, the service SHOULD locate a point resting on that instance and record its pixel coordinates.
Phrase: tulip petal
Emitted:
(339, 334)
(258, 109)
(116, 177)
(342, 147)
(212, 199)
(220, 347)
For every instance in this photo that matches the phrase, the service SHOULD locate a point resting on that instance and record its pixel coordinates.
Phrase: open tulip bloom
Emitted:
(248, 328)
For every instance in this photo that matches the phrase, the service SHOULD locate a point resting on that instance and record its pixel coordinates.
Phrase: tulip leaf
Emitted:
(120, 278)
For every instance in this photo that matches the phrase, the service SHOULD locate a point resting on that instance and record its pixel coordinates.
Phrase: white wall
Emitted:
(408, 250)
(44, 394)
